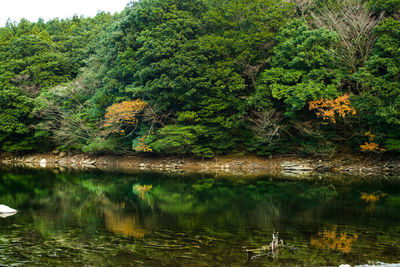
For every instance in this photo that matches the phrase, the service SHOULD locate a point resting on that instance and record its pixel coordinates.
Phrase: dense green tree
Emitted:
(15, 118)
(387, 7)
(29, 62)
(35, 57)
(302, 68)
(379, 101)
(193, 59)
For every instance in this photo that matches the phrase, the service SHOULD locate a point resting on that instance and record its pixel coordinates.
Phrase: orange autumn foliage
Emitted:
(370, 136)
(118, 221)
(124, 112)
(371, 199)
(371, 146)
(123, 224)
(142, 147)
(329, 239)
(328, 109)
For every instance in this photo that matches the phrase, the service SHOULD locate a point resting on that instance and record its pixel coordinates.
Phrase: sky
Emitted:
(48, 9)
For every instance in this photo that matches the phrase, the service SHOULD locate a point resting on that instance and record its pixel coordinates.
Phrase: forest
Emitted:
(205, 78)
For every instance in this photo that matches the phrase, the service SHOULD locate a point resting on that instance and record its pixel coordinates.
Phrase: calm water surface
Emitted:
(147, 219)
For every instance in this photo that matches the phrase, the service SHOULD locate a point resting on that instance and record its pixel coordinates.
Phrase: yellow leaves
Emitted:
(370, 135)
(371, 199)
(123, 224)
(330, 239)
(119, 131)
(124, 112)
(142, 190)
(142, 147)
(121, 115)
(371, 146)
(328, 109)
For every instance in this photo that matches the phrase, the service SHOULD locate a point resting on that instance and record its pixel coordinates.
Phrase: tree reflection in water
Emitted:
(333, 240)
(151, 219)
(120, 223)
(371, 199)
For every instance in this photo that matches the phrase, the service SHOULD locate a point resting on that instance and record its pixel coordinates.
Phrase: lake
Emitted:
(96, 218)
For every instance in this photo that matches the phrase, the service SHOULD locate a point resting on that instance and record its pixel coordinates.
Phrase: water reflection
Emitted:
(334, 240)
(371, 199)
(5, 215)
(141, 190)
(120, 223)
(148, 219)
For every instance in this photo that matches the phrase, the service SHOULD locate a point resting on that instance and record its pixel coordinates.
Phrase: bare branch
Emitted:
(354, 25)
(266, 125)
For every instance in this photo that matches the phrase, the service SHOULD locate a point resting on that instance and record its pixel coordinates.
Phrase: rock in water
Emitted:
(43, 163)
(6, 209)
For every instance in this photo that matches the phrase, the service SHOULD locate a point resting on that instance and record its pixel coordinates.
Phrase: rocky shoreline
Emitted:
(290, 165)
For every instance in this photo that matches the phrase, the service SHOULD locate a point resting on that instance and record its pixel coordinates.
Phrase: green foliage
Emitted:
(387, 7)
(19, 143)
(302, 67)
(379, 100)
(380, 79)
(318, 148)
(14, 111)
(182, 139)
(192, 64)
(35, 57)
(99, 145)
(244, 31)
(392, 145)
(217, 75)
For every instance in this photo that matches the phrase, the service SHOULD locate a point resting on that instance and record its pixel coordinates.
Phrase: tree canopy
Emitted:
(205, 77)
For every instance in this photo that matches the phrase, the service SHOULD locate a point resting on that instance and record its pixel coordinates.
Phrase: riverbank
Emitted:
(344, 164)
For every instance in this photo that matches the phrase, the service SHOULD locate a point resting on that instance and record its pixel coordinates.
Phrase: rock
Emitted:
(43, 162)
(5, 215)
(295, 173)
(62, 162)
(6, 209)
(296, 166)
(89, 162)
(348, 169)
(323, 167)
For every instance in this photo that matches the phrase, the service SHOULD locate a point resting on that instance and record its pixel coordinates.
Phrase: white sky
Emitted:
(48, 9)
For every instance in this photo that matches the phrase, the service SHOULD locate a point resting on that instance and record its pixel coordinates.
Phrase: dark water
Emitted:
(144, 219)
